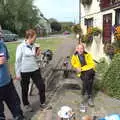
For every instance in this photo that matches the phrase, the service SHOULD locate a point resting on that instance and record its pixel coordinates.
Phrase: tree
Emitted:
(52, 20)
(55, 26)
(66, 26)
(28, 16)
(18, 15)
(8, 12)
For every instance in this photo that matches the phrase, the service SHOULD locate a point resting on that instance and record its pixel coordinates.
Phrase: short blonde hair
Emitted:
(30, 33)
(81, 44)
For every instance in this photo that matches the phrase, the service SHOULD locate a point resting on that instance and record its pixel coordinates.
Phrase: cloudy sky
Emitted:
(62, 10)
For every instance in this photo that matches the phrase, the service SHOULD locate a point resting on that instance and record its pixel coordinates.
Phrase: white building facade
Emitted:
(104, 14)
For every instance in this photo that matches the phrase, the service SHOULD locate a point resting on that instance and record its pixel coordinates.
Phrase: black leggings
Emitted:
(87, 77)
(38, 81)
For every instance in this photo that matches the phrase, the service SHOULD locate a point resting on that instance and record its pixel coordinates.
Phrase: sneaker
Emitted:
(28, 108)
(90, 102)
(45, 106)
(19, 118)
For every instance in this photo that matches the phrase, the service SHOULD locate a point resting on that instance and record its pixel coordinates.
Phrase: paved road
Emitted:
(47, 37)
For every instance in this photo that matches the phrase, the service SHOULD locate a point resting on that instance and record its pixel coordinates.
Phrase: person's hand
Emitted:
(17, 78)
(78, 70)
(2, 60)
(38, 52)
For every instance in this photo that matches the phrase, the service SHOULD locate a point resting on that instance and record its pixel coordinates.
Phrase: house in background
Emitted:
(104, 14)
(46, 24)
(43, 27)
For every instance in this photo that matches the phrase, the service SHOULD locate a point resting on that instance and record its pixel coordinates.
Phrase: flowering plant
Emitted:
(117, 33)
(87, 39)
(96, 31)
(93, 31)
(90, 30)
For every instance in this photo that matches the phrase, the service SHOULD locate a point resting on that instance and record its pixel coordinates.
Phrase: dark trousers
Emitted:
(9, 95)
(38, 81)
(87, 78)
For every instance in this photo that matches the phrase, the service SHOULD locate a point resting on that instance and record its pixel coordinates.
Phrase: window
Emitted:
(89, 22)
(105, 3)
(117, 17)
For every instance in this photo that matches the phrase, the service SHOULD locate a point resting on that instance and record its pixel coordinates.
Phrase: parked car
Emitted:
(9, 36)
(66, 32)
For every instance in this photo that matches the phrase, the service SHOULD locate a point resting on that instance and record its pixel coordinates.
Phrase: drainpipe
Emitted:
(79, 20)
(80, 12)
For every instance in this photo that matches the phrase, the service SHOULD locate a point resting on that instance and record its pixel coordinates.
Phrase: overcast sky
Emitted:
(62, 10)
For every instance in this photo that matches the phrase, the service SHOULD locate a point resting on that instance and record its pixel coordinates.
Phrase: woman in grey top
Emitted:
(26, 67)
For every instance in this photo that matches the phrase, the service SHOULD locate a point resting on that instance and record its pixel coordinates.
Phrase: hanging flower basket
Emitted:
(94, 31)
(77, 29)
(87, 39)
(86, 2)
(90, 30)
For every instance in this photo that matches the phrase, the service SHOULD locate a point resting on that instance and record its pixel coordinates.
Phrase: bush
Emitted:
(111, 78)
(101, 68)
(116, 44)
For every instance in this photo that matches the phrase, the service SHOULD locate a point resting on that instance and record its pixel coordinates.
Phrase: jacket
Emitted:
(25, 59)
(89, 63)
(4, 72)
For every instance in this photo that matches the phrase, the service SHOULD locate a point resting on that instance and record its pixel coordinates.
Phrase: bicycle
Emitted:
(42, 60)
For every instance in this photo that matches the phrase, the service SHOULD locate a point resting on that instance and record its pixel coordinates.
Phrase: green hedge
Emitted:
(101, 68)
(111, 78)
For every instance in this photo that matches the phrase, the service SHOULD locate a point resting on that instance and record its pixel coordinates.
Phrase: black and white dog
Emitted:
(42, 60)
(46, 57)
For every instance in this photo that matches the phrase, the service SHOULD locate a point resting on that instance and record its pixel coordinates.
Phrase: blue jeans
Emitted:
(9, 95)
